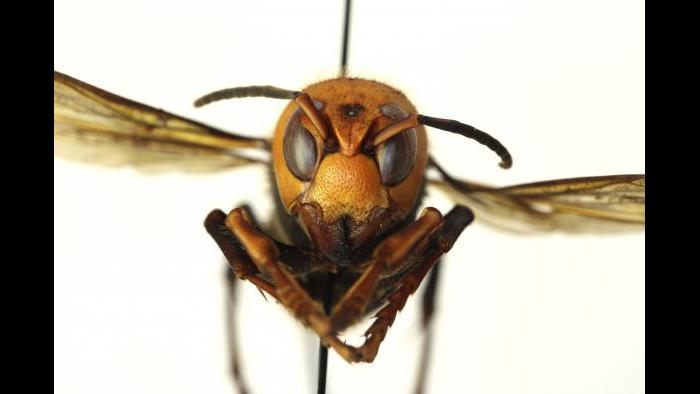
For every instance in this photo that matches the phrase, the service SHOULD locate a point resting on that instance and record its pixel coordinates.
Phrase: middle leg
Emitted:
(428, 302)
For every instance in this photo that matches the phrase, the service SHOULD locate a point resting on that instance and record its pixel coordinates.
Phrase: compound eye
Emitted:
(396, 157)
(299, 148)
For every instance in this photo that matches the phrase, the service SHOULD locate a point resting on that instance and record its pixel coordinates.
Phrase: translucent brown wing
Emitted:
(96, 126)
(591, 204)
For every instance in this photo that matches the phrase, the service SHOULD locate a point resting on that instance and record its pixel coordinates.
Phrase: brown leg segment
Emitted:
(235, 255)
(264, 254)
(455, 222)
(241, 267)
(252, 254)
(387, 257)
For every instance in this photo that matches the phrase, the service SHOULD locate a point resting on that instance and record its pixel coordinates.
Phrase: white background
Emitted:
(139, 284)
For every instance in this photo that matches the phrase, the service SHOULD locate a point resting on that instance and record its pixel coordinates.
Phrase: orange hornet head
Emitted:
(345, 186)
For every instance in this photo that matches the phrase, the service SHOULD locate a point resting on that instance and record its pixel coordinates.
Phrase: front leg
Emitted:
(388, 256)
(235, 255)
(255, 257)
(296, 260)
(264, 254)
(439, 243)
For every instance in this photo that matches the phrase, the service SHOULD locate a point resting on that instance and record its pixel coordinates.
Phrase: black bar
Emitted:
(322, 350)
(346, 35)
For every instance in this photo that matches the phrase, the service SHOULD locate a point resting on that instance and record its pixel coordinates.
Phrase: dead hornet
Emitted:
(349, 158)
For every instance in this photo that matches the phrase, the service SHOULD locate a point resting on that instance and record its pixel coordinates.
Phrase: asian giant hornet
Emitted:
(315, 128)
